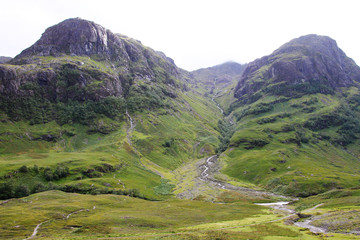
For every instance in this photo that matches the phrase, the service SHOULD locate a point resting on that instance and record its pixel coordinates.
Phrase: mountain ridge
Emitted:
(303, 62)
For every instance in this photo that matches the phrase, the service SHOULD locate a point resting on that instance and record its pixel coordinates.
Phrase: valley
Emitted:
(111, 140)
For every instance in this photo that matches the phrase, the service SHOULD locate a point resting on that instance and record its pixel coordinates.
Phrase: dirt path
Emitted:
(313, 208)
(81, 210)
(36, 229)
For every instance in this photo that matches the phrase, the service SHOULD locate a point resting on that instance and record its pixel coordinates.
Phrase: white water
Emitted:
(272, 204)
(282, 206)
(306, 224)
(130, 119)
(204, 175)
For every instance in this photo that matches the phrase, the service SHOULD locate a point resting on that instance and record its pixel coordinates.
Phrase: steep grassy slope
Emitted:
(294, 136)
(276, 148)
(85, 110)
(98, 162)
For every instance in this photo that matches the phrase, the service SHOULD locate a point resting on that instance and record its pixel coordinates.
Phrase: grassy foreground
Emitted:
(76, 216)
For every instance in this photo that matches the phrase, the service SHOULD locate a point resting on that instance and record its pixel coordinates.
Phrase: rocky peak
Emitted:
(74, 36)
(87, 62)
(308, 62)
(312, 45)
(79, 37)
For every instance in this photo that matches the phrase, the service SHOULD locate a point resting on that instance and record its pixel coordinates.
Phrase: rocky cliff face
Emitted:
(76, 37)
(95, 53)
(79, 37)
(310, 63)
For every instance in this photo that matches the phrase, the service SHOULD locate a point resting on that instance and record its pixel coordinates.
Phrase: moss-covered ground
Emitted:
(300, 146)
(107, 216)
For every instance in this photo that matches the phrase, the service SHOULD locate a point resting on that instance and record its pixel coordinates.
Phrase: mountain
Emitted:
(79, 37)
(219, 82)
(78, 60)
(297, 111)
(101, 136)
(90, 104)
(309, 64)
(4, 59)
(222, 72)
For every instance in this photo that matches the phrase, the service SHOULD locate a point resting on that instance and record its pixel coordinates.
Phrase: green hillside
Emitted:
(297, 146)
(297, 127)
(102, 137)
(97, 123)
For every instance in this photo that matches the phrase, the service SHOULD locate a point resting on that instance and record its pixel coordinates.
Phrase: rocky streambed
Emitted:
(210, 167)
(302, 220)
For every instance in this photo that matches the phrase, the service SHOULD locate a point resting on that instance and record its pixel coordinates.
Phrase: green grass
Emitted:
(189, 129)
(115, 216)
(189, 134)
(284, 156)
(339, 210)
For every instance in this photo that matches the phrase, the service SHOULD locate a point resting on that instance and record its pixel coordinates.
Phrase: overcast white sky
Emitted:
(195, 33)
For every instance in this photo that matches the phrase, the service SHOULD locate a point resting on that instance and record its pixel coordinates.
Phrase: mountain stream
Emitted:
(214, 96)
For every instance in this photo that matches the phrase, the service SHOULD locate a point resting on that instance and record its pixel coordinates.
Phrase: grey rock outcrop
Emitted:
(311, 59)
(77, 36)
